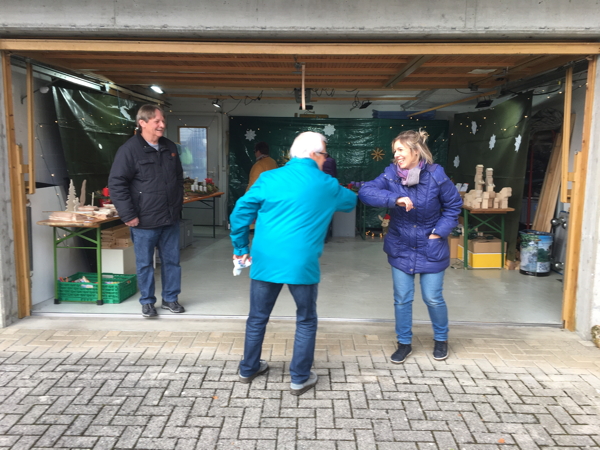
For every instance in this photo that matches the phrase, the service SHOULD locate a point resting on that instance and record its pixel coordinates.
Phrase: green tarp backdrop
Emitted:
(498, 138)
(361, 147)
(92, 128)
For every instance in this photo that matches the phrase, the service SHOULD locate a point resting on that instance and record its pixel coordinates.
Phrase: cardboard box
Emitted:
(118, 260)
(481, 260)
(480, 245)
(453, 242)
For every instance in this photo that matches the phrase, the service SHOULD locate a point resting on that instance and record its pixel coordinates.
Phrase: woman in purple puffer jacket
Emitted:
(424, 206)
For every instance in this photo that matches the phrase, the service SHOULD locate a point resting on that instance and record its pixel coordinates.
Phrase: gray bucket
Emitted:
(536, 252)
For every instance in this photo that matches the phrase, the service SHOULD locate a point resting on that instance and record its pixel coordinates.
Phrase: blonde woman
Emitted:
(424, 206)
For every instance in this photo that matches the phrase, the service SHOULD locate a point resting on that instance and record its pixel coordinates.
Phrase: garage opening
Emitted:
(254, 82)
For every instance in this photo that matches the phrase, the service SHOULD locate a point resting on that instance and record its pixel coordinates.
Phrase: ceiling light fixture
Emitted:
(216, 104)
(157, 89)
(484, 103)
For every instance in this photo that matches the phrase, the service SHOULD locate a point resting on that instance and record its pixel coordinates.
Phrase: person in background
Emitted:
(423, 206)
(293, 206)
(146, 187)
(263, 163)
(330, 168)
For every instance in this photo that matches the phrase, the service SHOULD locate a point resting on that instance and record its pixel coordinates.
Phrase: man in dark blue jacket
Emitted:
(146, 187)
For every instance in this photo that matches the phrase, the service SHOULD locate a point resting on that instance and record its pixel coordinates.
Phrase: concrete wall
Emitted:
(303, 19)
(588, 286)
(8, 276)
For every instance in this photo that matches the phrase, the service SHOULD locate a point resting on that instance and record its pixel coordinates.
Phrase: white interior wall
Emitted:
(51, 170)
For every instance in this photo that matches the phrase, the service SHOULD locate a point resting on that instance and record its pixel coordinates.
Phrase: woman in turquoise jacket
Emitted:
(292, 206)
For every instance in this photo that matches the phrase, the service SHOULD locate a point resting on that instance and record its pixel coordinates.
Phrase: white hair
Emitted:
(307, 143)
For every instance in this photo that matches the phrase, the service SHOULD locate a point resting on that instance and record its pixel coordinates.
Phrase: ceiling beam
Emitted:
(462, 100)
(312, 100)
(153, 68)
(283, 59)
(407, 70)
(302, 49)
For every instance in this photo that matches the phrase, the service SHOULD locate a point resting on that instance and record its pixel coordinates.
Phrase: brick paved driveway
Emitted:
(501, 388)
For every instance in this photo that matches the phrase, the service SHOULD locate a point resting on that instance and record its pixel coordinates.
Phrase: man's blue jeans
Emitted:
(431, 291)
(167, 240)
(262, 300)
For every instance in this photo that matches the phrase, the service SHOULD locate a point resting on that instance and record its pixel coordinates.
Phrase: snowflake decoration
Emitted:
(492, 141)
(517, 143)
(250, 135)
(456, 161)
(377, 154)
(125, 113)
(329, 130)
(474, 127)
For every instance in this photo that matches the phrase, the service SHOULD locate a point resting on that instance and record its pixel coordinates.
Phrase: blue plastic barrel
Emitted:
(536, 252)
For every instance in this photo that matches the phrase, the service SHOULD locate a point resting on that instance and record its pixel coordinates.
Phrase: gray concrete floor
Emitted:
(356, 284)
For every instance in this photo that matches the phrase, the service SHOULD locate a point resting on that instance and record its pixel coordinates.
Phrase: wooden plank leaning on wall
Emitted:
(18, 197)
(550, 189)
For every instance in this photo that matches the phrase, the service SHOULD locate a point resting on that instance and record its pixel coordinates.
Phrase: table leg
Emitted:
(99, 264)
(214, 215)
(54, 244)
(466, 238)
(502, 242)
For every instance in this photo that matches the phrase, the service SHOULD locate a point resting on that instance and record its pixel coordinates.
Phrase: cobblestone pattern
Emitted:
(179, 390)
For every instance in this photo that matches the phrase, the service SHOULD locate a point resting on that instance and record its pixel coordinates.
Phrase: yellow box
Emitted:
(481, 260)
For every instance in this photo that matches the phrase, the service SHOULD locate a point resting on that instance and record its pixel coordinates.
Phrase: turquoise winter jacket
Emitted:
(293, 206)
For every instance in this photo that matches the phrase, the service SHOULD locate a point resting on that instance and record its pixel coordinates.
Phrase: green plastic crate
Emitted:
(88, 292)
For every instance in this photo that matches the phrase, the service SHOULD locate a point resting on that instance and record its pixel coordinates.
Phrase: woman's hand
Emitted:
(406, 202)
(434, 236)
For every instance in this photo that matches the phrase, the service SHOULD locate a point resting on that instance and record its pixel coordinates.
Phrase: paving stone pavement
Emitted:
(501, 388)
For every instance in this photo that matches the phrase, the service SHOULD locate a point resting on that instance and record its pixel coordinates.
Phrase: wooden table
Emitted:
(78, 229)
(207, 200)
(492, 215)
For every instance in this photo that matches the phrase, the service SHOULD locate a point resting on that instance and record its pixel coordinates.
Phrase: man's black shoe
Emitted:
(174, 307)
(401, 354)
(148, 310)
(440, 350)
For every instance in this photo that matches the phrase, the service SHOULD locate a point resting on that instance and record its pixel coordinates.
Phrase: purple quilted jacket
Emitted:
(437, 205)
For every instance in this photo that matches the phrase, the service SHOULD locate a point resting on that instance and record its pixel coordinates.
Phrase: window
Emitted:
(192, 151)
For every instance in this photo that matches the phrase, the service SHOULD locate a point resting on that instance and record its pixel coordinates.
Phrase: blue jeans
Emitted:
(262, 300)
(431, 291)
(167, 240)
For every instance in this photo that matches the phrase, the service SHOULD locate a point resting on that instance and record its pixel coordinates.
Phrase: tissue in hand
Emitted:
(238, 265)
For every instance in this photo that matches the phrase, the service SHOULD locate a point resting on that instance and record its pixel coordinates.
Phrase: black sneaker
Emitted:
(401, 354)
(440, 350)
(174, 307)
(149, 310)
(262, 368)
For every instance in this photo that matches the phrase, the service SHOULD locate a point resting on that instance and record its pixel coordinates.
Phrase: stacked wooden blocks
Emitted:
(483, 195)
(116, 237)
